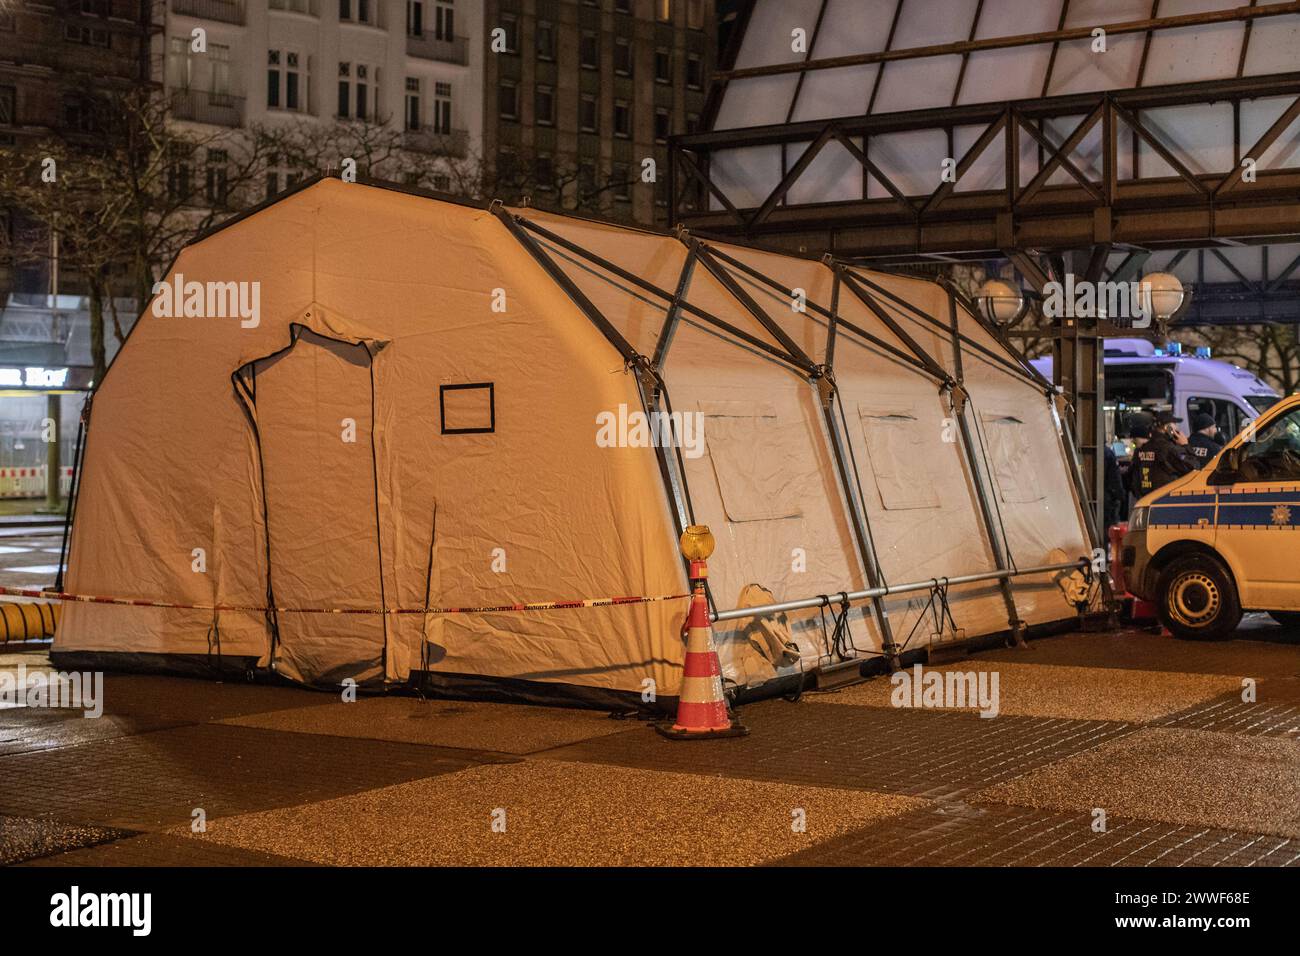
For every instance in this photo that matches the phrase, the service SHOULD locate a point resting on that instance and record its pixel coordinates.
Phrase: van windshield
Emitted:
(1262, 403)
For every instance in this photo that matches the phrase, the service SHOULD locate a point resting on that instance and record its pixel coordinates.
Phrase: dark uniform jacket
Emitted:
(1157, 463)
(1202, 448)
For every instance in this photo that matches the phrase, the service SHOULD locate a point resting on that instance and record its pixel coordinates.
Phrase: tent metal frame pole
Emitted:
(827, 600)
(967, 340)
(998, 334)
(719, 272)
(833, 323)
(827, 392)
(935, 369)
(840, 321)
(588, 308)
(653, 289)
(958, 395)
(674, 311)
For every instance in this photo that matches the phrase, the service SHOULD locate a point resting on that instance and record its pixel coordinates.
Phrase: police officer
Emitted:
(1204, 443)
(1159, 459)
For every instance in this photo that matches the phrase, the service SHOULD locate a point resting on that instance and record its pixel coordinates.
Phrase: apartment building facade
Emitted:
(413, 66)
(55, 54)
(579, 94)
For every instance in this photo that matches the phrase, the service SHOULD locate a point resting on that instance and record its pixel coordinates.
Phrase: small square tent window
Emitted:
(755, 458)
(468, 409)
(1010, 458)
(897, 451)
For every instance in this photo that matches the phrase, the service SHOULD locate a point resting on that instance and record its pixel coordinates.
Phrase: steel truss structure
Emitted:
(547, 248)
(946, 224)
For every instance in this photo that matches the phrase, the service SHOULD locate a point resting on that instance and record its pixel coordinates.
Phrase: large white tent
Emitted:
(415, 422)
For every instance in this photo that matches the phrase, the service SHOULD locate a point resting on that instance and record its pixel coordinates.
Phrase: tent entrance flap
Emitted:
(312, 407)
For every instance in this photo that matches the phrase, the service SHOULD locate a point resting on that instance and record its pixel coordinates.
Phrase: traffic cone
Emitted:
(701, 704)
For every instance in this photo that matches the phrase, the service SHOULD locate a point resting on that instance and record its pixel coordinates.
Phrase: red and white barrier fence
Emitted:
(30, 482)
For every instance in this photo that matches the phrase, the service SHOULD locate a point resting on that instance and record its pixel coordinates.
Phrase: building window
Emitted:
(216, 182)
(7, 20)
(622, 118)
(357, 11)
(544, 173)
(695, 14)
(589, 50)
(508, 100)
(694, 72)
(412, 102)
(663, 65)
(442, 108)
(692, 122)
(510, 27)
(284, 81)
(544, 103)
(444, 24)
(180, 67)
(663, 125)
(358, 91)
(295, 6)
(589, 113)
(8, 106)
(179, 173)
(623, 6)
(415, 18)
(664, 10)
(219, 58)
(586, 182)
(507, 168)
(279, 176)
(619, 183)
(87, 35)
(545, 40)
(622, 57)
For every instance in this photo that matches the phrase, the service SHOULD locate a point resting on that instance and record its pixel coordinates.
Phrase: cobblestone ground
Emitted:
(1127, 749)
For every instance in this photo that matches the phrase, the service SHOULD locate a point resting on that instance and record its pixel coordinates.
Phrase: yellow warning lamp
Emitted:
(697, 544)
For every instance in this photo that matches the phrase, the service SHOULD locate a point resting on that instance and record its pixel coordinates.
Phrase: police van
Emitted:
(1224, 539)
(1144, 378)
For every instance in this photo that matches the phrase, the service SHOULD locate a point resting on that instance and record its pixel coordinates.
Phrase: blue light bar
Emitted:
(1175, 348)
(1202, 351)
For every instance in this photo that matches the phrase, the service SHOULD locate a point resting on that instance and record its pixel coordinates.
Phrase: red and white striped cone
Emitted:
(701, 703)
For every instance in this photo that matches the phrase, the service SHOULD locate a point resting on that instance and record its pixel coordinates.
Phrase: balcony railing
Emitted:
(427, 47)
(227, 11)
(455, 143)
(204, 106)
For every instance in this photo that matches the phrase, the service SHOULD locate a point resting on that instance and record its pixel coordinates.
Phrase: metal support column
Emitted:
(1078, 355)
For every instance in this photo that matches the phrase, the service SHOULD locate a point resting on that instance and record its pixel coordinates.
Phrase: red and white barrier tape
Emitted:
(535, 606)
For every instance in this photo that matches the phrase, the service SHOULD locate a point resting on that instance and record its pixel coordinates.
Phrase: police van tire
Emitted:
(1198, 599)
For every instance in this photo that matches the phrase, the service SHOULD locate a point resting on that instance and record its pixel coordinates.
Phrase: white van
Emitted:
(1143, 378)
(1226, 538)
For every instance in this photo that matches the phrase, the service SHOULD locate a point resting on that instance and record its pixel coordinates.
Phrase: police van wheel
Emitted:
(1198, 599)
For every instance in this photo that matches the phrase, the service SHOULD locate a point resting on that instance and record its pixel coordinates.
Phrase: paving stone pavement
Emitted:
(959, 834)
(119, 791)
(924, 753)
(159, 778)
